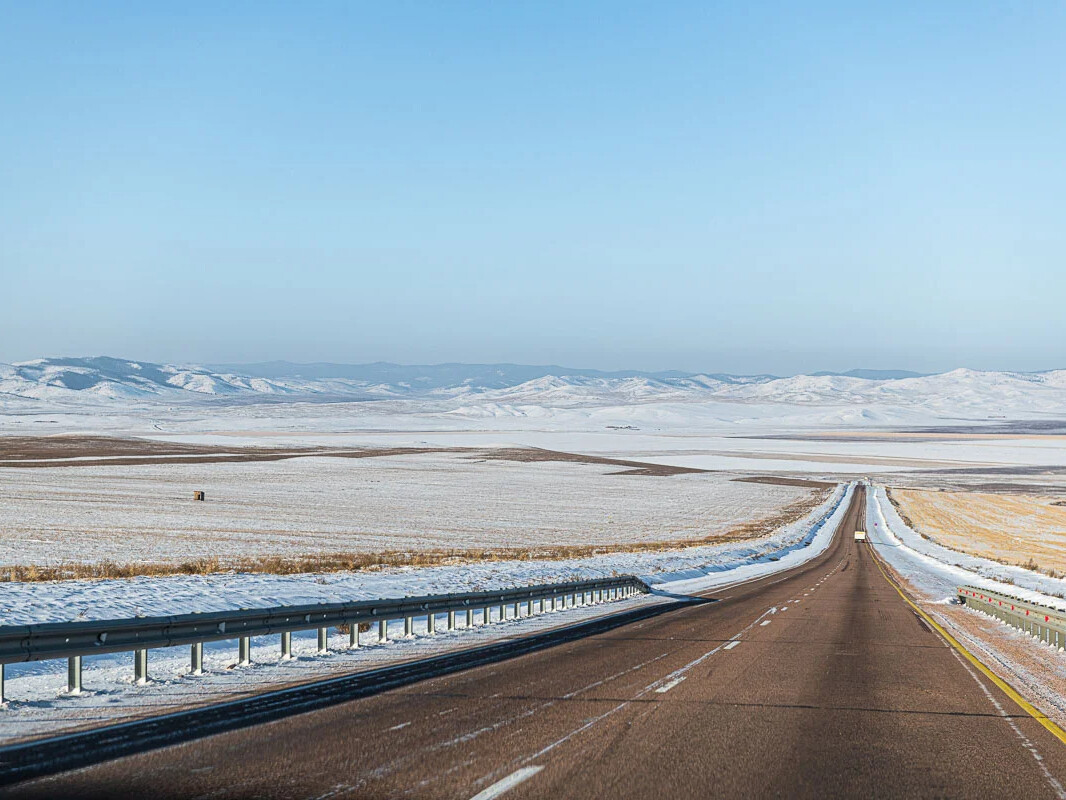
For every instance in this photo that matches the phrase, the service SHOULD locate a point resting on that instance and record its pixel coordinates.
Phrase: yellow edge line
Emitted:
(1007, 689)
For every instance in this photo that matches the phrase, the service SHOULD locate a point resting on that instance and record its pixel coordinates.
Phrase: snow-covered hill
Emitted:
(508, 391)
(116, 379)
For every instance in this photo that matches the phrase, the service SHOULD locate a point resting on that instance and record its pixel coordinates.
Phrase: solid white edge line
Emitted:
(731, 645)
(506, 784)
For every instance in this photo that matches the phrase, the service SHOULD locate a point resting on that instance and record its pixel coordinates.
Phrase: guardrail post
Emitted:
(140, 666)
(244, 651)
(196, 659)
(2, 676)
(516, 611)
(529, 608)
(431, 623)
(451, 620)
(286, 645)
(503, 613)
(323, 640)
(486, 615)
(74, 675)
(353, 635)
(408, 626)
(540, 606)
(383, 630)
(470, 618)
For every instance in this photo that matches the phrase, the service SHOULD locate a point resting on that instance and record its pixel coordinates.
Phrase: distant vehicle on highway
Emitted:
(860, 536)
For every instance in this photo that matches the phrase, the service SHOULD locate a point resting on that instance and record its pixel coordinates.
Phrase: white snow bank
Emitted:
(939, 570)
(789, 547)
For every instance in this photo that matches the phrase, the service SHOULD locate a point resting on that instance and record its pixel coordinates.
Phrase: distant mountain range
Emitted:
(445, 376)
(116, 377)
(502, 390)
(498, 375)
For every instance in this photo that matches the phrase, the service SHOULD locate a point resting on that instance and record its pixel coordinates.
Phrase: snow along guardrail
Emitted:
(73, 640)
(804, 539)
(1041, 622)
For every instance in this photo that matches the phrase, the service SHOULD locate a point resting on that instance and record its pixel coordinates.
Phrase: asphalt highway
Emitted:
(818, 682)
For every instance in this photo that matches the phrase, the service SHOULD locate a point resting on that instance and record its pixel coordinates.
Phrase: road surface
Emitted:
(817, 682)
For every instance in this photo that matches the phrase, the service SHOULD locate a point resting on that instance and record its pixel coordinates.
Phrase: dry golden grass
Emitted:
(356, 561)
(1024, 529)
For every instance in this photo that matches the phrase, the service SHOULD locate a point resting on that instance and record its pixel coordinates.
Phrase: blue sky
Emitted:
(736, 187)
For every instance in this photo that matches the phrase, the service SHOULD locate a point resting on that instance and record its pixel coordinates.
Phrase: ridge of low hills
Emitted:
(865, 397)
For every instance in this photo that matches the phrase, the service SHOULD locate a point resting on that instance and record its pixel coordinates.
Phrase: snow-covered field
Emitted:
(303, 506)
(38, 703)
(712, 422)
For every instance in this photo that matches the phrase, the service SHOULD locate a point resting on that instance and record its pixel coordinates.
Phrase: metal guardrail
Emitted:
(74, 640)
(1042, 622)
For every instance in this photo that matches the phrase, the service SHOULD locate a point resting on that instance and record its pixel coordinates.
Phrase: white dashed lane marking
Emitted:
(668, 686)
(507, 783)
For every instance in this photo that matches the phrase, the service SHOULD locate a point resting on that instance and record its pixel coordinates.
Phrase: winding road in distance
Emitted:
(817, 682)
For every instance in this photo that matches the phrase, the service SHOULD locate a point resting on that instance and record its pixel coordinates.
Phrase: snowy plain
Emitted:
(51, 515)
(712, 422)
